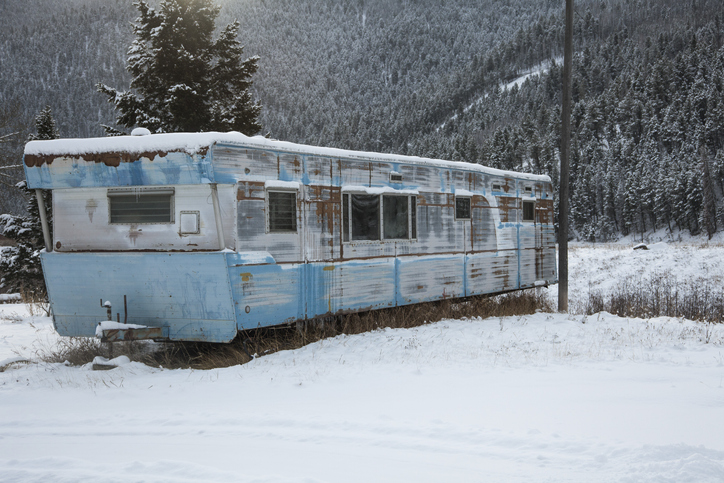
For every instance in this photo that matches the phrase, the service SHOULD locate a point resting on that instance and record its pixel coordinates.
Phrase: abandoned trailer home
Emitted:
(198, 236)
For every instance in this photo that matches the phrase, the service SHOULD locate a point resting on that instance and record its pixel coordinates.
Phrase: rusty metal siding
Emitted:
(275, 277)
(118, 169)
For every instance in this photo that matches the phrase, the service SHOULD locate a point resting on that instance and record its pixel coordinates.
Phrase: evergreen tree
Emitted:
(20, 265)
(707, 217)
(183, 79)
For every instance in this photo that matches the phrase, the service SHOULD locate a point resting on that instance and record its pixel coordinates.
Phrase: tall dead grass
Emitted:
(258, 342)
(661, 295)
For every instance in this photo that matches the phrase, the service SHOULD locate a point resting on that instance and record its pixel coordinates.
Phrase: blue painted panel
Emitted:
(350, 286)
(423, 279)
(187, 292)
(273, 293)
(173, 169)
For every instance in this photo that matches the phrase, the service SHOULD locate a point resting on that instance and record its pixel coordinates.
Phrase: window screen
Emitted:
(394, 214)
(282, 211)
(365, 217)
(141, 206)
(462, 208)
(528, 210)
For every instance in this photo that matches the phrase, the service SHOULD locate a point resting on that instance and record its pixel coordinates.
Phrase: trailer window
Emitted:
(528, 210)
(362, 219)
(345, 217)
(282, 211)
(394, 214)
(365, 215)
(462, 208)
(413, 217)
(139, 206)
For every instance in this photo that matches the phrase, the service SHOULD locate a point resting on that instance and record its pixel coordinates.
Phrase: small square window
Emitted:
(529, 211)
(282, 211)
(189, 222)
(462, 208)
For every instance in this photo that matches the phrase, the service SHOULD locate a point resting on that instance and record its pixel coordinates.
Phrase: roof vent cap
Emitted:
(140, 131)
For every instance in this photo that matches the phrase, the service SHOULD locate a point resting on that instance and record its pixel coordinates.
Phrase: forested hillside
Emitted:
(427, 78)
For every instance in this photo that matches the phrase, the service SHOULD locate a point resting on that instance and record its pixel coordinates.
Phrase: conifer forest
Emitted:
(433, 79)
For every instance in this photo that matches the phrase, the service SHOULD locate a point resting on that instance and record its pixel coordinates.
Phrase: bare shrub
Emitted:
(78, 351)
(661, 295)
(36, 303)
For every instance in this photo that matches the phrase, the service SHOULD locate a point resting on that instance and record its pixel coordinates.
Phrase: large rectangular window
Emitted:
(365, 217)
(374, 217)
(282, 211)
(139, 206)
(394, 214)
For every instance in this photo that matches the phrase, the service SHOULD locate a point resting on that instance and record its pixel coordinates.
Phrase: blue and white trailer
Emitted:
(198, 236)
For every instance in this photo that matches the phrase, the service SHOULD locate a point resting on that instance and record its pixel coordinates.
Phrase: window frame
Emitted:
(347, 225)
(523, 217)
(267, 204)
(112, 193)
(196, 214)
(470, 208)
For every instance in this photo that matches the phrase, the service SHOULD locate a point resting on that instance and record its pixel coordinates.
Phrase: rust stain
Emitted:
(133, 233)
(90, 208)
(506, 205)
(326, 201)
(250, 190)
(113, 159)
(328, 268)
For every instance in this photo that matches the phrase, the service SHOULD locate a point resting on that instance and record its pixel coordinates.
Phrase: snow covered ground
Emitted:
(545, 397)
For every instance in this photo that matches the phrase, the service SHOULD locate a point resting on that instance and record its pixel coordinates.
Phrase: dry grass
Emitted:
(82, 350)
(37, 303)
(258, 342)
(661, 295)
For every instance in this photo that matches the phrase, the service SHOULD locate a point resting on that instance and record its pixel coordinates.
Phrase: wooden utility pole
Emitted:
(565, 156)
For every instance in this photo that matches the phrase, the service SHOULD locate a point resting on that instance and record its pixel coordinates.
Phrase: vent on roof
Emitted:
(496, 187)
(528, 189)
(395, 177)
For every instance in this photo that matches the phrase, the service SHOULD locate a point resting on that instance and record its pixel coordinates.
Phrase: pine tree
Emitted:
(707, 217)
(183, 79)
(20, 265)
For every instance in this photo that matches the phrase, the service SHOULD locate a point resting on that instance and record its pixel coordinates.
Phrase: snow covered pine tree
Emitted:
(20, 265)
(183, 80)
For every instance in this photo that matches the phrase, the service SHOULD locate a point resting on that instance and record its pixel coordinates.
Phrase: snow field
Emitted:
(543, 397)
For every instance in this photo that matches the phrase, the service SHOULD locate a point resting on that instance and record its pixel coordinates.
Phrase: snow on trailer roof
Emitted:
(194, 143)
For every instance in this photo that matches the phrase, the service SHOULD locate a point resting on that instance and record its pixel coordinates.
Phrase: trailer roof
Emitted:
(194, 143)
